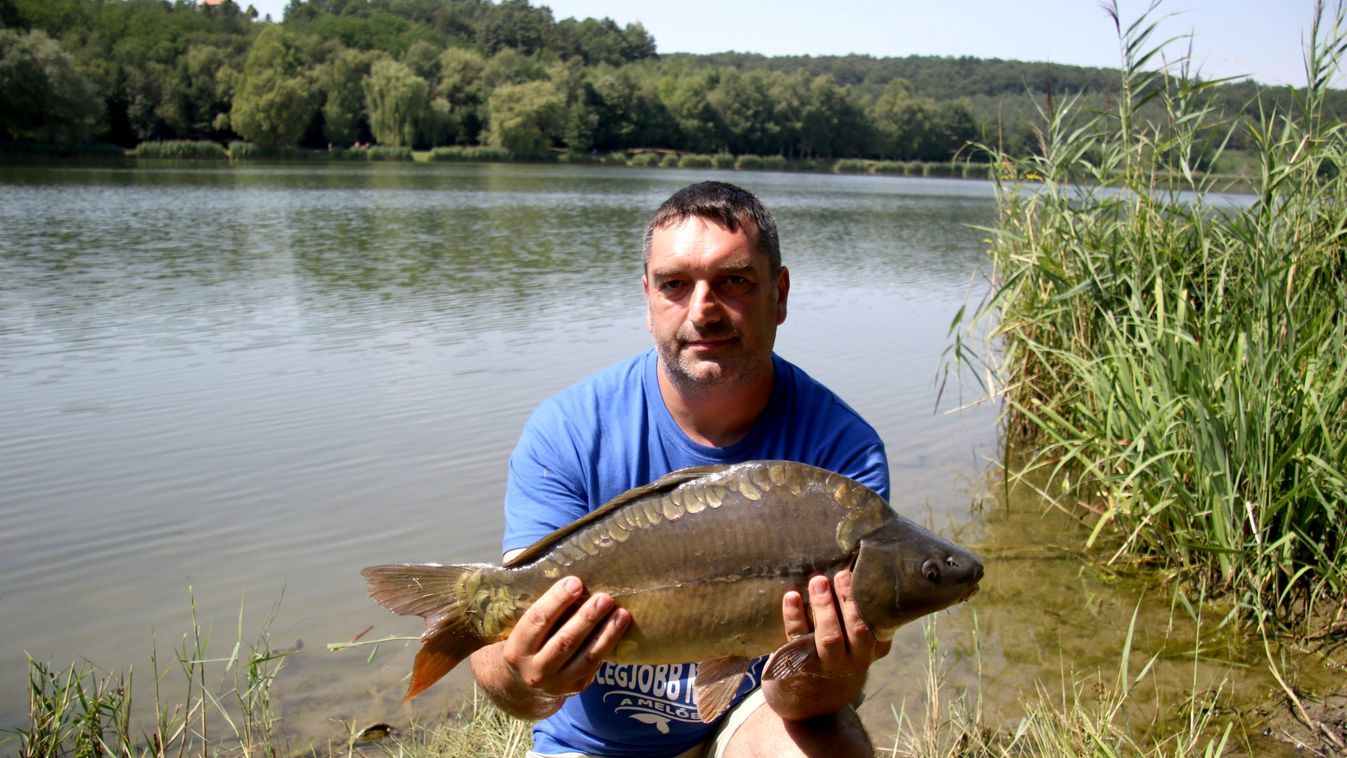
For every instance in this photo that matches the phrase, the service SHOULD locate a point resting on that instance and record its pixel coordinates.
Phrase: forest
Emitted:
(429, 73)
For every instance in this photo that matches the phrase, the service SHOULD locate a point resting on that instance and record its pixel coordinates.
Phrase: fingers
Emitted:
(792, 613)
(859, 633)
(845, 642)
(574, 652)
(533, 629)
(557, 651)
(829, 637)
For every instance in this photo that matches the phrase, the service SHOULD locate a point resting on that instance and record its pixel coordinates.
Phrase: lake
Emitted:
(246, 383)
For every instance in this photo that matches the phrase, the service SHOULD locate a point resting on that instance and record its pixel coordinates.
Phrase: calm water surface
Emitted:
(251, 382)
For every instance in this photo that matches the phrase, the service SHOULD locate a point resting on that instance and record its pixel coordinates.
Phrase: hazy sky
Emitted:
(1259, 38)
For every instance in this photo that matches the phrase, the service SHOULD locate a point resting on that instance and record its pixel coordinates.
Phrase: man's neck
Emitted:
(717, 415)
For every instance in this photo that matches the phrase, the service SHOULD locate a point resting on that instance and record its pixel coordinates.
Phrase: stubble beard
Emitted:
(698, 376)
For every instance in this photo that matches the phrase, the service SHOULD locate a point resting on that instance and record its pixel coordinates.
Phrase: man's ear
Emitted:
(782, 293)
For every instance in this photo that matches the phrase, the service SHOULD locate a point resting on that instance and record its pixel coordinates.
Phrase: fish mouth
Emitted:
(970, 593)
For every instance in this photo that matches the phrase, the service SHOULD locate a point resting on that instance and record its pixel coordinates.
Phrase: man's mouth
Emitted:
(708, 341)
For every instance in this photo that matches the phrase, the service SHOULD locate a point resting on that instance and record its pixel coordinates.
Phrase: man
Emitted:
(711, 392)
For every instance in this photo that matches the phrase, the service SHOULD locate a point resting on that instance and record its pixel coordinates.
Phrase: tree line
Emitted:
(424, 73)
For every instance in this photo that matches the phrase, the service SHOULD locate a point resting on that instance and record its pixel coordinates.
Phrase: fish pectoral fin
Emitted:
(717, 681)
(791, 658)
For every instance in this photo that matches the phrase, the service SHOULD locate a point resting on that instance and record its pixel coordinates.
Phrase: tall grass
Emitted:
(225, 705)
(1171, 361)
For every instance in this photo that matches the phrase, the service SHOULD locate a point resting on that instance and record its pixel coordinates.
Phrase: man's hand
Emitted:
(554, 651)
(846, 647)
(562, 660)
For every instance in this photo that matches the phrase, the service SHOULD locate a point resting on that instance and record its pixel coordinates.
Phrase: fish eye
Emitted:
(951, 562)
(931, 569)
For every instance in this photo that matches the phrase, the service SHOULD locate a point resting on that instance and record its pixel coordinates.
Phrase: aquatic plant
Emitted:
(181, 150)
(1170, 360)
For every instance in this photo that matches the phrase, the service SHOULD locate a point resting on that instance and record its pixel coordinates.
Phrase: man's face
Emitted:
(713, 303)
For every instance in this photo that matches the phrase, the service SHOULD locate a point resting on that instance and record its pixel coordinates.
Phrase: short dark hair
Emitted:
(728, 205)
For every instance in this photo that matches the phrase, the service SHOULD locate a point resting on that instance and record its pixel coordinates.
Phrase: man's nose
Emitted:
(704, 307)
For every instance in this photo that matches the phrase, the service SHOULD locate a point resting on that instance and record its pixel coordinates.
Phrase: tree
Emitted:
(624, 115)
(517, 25)
(340, 81)
(746, 112)
(397, 100)
(276, 98)
(42, 94)
(695, 122)
(461, 87)
(526, 118)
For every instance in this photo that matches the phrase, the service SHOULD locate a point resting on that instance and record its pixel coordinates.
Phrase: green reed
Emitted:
(1176, 365)
(221, 706)
(194, 150)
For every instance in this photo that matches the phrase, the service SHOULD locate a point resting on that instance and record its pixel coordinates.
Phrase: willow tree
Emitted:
(397, 100)
(276, 99)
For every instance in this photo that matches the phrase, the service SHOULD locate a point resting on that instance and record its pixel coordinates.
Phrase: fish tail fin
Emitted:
(440, 595)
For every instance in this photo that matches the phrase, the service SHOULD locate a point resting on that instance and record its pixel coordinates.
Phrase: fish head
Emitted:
(904, 571)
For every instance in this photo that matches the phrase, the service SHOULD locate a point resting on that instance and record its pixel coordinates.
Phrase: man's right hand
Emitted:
(554, 650)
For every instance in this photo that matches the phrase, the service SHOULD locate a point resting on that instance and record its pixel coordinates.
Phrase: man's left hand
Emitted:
(846, 644)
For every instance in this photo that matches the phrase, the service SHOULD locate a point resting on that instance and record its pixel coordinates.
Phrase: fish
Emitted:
(701, 558)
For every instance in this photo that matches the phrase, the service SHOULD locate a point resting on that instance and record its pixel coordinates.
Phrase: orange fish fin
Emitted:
(791, 658)
(442, 649)
(431, 592)
(717, 681)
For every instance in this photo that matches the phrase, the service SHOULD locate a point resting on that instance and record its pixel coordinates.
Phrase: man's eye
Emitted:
(734, 285)
(672, 285)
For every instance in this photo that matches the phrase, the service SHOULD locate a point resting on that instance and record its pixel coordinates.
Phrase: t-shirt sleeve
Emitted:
(544, 485)
(869, 465)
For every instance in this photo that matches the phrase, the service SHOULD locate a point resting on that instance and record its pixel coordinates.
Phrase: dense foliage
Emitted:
(426, 73)
(1175, 365)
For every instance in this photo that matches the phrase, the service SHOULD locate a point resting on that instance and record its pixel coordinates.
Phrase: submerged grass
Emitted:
(1174, 361)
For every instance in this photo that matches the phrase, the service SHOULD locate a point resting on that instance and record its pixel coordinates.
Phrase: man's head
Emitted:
(715, 288)
(724, 204)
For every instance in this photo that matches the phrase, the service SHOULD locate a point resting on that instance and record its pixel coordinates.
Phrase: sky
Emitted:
(1262, 39)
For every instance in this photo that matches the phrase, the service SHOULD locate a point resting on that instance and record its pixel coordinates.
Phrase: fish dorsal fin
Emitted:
(718, 679)
(662, 484)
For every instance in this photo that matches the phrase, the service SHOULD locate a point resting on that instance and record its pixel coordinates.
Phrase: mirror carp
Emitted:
(701, 558)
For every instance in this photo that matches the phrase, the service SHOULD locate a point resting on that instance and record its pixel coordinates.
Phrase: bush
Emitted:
(471, 154)
(669, 161)
(892, 168)
(186, 150)
(647, 160)
(388, 153)
(692, 160)
(943, 169)
(749, 163)
(773, 162)
(722, 160)
(851, 166)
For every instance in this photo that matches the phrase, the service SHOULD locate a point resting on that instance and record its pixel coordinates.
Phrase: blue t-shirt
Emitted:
(612, 432)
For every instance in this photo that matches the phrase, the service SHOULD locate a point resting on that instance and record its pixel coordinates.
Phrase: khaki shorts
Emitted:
(712, 748)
